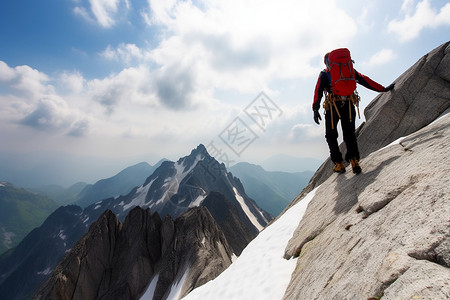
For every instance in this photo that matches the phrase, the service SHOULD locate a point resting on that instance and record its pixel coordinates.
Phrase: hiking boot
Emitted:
(355, 166)
(339, 167)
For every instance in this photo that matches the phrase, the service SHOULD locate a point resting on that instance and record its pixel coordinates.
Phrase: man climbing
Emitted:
(338, 82)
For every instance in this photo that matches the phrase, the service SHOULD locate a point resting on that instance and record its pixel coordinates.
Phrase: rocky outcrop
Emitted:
(80, 274)
(382, 233)
(420, 95)
(115, 261)
(199, 252)
(385, 232)
(227, 217)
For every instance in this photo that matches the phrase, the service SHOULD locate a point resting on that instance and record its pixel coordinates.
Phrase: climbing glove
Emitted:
(389, 87)
(317, 117)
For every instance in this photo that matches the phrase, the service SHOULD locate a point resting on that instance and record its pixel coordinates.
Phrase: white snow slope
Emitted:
(260, 272)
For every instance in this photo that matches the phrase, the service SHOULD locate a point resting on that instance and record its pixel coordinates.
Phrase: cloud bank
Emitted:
(415, 20)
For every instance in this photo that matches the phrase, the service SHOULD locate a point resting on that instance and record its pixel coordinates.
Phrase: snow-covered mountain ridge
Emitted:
(173, 189)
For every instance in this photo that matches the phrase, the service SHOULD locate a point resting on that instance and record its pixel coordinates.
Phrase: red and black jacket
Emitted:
(323, 84)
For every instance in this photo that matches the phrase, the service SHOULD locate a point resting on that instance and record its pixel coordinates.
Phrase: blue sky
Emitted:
(89, 87)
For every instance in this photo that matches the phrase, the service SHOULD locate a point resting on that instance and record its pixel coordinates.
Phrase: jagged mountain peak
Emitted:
(231, 218)
(118, 261)
(175, 187)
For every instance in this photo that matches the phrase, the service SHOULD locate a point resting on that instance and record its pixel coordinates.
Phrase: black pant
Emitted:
(348, 130)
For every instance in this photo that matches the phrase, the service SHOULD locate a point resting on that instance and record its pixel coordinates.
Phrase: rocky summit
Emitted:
(385, 233)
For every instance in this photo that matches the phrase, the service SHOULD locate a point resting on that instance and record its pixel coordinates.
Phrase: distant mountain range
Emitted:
(120, 184)
(83, 194)
(173, 189)
(272, 191)
(58, 194)
(291, 164)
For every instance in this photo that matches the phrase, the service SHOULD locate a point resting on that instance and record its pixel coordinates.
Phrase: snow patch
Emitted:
(62, 235)
(97, 207)
(197, 201)
(45, 272)
(247, 211)
(175, 291)
(148, 295)
(255, 269)
(139, 197)
(85, 220)
(173, 183)
(396, 142)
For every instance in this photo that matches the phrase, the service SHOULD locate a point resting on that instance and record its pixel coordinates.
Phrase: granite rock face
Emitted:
(420, 95)
(115, 261)
(385, 233)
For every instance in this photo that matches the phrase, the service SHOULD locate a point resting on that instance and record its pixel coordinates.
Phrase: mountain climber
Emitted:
(341, 107)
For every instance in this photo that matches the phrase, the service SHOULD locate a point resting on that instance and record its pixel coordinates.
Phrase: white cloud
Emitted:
(104, 12)
(244, 45)
(125, 53)
(27, 81)
(169, 90)
(50, 113)
(131, 86)
(73, 81)
(381, 57)
(159, 11)
(407, 5)
(424, 16)
(6, 73)
(300, 133)
(240, 46)
(78, 128)
(31, 100)
(83, 13)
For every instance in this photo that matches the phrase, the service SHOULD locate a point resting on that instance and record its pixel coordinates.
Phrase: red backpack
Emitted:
(342, 74)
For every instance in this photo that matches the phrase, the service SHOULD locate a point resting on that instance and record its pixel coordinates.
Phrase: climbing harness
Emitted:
(330, 103)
